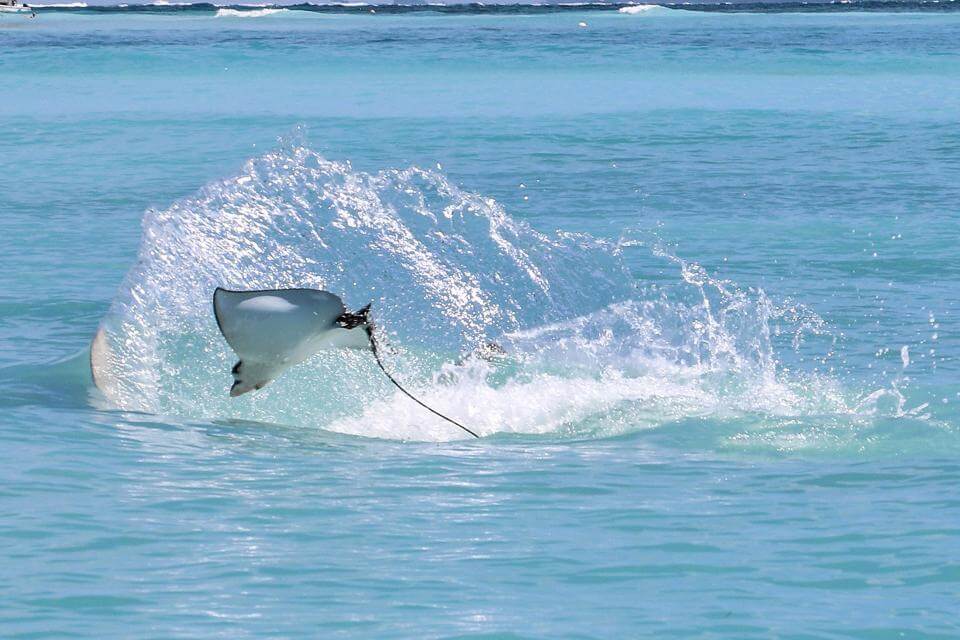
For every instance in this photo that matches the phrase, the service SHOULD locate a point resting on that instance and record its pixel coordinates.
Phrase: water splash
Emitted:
(587, 351)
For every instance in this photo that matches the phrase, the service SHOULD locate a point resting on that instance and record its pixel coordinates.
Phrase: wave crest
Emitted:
(248, 13)
(639, 8)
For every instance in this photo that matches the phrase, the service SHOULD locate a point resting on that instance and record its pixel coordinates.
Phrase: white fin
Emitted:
(275, 329)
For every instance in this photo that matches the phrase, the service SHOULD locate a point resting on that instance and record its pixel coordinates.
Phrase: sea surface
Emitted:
(718, 249)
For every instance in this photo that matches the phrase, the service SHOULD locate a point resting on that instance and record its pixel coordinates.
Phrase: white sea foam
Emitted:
(64, 5)
(639, 8)
(248, 13)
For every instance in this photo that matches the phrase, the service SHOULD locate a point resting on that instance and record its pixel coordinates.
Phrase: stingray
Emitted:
(273, 330)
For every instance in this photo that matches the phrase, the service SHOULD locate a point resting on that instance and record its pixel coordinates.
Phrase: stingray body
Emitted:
(273, 330)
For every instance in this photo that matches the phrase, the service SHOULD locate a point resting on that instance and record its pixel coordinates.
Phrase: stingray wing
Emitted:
(274, 329)
(275, 326)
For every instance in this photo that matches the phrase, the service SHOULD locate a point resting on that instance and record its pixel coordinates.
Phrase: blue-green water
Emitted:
(718, 248)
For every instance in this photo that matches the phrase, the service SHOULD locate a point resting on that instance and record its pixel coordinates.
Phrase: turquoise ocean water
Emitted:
(719, 249)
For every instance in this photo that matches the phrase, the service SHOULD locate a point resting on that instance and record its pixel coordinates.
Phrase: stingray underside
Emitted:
(273, 330)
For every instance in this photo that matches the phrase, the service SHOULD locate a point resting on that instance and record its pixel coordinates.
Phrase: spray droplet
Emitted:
(905, 356)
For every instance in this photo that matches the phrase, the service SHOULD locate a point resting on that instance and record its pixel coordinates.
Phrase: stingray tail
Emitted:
(376, 356)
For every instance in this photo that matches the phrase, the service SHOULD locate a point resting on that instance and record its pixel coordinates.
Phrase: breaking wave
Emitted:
(639, 8)
(587, 349)
(247, 13)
